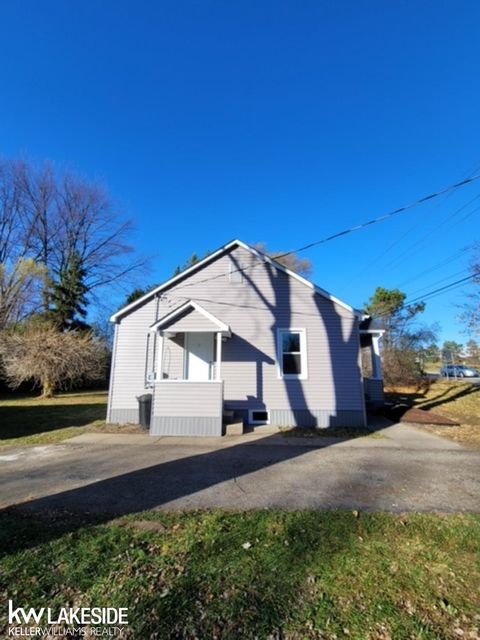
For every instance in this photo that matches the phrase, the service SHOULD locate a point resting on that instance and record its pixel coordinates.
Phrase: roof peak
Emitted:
(213, 256)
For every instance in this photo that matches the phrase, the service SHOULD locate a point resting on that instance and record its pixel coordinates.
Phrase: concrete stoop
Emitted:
(234, 428)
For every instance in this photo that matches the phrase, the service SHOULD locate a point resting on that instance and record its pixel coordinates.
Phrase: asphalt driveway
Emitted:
(405, 470)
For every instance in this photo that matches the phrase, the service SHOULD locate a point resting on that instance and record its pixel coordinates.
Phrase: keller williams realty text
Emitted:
(68, 616)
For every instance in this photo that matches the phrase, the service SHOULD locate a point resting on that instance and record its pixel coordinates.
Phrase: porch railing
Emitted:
(184, 407)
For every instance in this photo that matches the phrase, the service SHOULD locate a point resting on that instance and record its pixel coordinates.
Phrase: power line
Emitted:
(457, 273)
(468, 174)
(438, 265)
(382, 218)
(430, 294)
(444, 288)
(428, 235)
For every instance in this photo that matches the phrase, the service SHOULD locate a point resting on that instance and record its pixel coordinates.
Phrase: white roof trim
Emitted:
(298, 277)
(121, 312)
(223, 328)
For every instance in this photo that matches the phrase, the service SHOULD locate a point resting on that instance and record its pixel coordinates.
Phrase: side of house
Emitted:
(238, 333)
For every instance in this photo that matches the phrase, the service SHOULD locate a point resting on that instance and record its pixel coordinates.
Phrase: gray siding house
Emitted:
(238, 332)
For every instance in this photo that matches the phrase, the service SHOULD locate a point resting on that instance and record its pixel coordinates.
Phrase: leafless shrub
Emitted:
(52, 359)
(400, 368)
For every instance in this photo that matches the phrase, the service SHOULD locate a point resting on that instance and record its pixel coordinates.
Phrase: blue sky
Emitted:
(275, 122)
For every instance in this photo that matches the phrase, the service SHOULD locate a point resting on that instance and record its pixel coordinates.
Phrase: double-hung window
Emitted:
(292, 353)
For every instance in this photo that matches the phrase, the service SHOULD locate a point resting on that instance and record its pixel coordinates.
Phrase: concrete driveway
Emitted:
(104, 475)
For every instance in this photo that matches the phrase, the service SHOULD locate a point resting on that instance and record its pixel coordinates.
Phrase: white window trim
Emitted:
(303, 354)
(252, 421)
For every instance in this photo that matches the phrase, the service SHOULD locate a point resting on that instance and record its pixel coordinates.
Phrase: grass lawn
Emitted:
(254, 575)
(457, 400)
(33, 420)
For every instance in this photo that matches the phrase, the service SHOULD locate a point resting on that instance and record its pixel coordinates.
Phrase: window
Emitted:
(292, 353)
(258, 417)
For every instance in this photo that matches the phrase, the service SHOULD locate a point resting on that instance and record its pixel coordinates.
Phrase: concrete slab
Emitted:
(410, 437)
(114, 438)
(397, 436)
(243, 474)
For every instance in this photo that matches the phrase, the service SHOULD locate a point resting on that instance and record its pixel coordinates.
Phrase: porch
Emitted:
(187, 408)
(187, 380)
(372, 366)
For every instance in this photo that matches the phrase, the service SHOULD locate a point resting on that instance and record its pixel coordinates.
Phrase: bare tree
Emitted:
(470, 315)
(22, 274)
(52, 218)
(291, 261)
(21, 288)
(52, 359)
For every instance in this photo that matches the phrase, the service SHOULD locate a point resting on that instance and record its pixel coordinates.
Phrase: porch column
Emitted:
(219, 356)
(160, 356)
(376, 360)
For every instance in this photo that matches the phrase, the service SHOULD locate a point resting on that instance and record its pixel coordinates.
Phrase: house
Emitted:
(238, 332)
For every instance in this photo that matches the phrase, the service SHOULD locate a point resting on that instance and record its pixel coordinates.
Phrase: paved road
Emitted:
(405, 471)
(437, 376)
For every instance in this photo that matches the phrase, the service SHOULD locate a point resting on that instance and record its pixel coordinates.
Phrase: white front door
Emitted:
(199, 356)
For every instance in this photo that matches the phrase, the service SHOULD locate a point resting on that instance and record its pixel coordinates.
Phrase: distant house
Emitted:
(238, 332)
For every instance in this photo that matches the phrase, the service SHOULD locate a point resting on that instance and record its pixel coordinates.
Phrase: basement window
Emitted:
(258, 417)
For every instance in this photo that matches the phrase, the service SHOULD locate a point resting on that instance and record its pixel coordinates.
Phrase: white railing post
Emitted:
(219, 356)
(376, 360)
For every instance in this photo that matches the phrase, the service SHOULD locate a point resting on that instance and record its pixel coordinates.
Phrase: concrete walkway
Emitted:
(396, 436)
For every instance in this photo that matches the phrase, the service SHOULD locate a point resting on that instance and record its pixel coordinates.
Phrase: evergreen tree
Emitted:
(68, 296)
(451, 351)
(388, 307)
(473, 351)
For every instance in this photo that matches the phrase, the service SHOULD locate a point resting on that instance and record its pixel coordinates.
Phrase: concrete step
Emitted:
(234, 429)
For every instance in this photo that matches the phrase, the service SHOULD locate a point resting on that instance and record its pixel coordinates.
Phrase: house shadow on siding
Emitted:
(281, 313)
(238, 350)
(346, 393)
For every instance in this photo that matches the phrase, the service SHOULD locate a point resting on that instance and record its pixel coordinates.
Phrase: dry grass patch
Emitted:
(459, 401)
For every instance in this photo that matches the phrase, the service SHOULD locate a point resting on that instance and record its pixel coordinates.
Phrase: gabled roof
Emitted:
(213, 256)
(202, 319)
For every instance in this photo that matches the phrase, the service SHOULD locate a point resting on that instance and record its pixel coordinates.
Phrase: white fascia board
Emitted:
(121, 312)
(298, 277)
(264, 258)
(190, 304)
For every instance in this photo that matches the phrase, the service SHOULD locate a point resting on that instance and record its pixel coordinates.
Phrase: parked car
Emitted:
(459, 371)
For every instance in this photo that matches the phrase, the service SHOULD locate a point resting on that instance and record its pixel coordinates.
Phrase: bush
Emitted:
(51, 358)
(401, 368)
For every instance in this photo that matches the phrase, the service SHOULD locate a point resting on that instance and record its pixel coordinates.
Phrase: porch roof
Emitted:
(191, 317)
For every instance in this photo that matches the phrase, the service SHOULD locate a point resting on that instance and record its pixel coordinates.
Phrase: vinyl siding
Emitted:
(191, 320)
(173, 357)
(265, 301)
(129, 359)
(187, 408)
